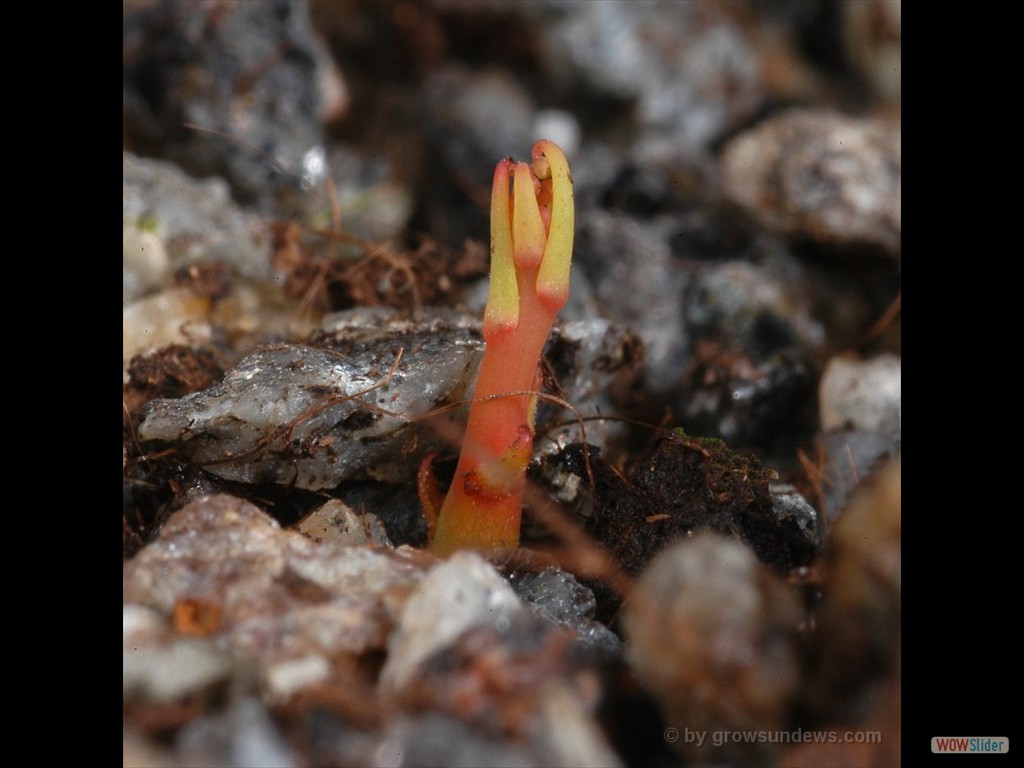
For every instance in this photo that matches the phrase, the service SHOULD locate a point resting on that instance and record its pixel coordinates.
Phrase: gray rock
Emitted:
(226, 90)
(435, 739)
(711, 633)
(687, 67)
(313, 416)
(457, 595)
(570, 735)
(136, 749)
(727, 317)
(243, 736)
(748, 403)
(861, 415)
(561, 735)
(556, 596)
(760, 308)
(754, 334)
(372, 203)
(596, 363)
(872, 36)
(859, 619)
(192, 220)
(519, 684)
(317, 414)
(558, 126)
(472, 119)
(637, 284)
(848, 457)
(820, 176)
(171, 316)
(160, 665)
(214, 530)
(224, 570)
(145, 266)
(479, 117)
(283, 679)
(337, 522)
(863, 395)
(788, 505)
(255, 738)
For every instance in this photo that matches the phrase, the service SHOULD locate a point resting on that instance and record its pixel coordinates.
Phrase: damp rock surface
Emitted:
(350, 403)
(310, 416)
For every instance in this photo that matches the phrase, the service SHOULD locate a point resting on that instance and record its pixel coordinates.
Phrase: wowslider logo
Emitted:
(977, 745)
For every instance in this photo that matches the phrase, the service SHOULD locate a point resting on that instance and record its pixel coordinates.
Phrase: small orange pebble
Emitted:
(197, 617)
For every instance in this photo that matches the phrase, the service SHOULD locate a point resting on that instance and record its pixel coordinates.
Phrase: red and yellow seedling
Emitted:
(532, 221)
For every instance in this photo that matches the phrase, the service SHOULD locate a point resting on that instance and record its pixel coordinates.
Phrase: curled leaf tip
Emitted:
(553, 277)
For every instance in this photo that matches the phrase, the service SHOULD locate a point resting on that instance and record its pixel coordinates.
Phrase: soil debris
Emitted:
(688, 484)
